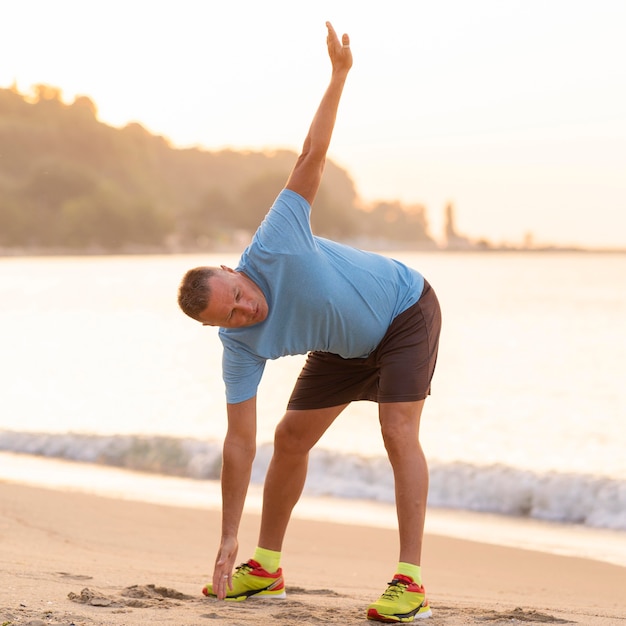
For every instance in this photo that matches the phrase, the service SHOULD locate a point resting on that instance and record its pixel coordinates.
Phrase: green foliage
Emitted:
(69, 182)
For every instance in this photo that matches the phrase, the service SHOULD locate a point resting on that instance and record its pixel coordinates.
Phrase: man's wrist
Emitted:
(339, 74)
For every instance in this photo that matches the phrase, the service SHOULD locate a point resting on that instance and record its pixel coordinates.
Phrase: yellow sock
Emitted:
(413, 571)
(269, 560)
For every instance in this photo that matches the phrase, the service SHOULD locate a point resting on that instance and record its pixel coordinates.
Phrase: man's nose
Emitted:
(247, 307)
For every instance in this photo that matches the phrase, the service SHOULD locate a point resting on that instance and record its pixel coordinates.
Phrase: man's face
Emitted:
(235, 302)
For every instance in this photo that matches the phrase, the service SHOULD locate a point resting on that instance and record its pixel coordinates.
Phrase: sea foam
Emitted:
(594, 501)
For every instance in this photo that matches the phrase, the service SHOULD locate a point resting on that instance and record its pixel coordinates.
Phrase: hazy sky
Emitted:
(514, 111)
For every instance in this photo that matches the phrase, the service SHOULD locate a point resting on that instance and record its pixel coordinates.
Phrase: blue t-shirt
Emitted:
(322, 296)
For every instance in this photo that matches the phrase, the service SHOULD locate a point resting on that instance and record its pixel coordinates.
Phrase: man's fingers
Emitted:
(222, 583)
(221, 577)
(332, 35)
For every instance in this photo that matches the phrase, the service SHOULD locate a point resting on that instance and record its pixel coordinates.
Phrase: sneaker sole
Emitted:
(376, 616)
(241, 598)
(268, 596)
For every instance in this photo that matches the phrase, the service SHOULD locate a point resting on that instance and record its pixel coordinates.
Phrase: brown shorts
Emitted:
(398, 370)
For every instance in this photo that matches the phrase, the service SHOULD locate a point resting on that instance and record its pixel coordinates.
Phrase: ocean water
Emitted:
(527, 417)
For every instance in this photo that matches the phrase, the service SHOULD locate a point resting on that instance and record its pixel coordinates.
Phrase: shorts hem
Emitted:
(415, 397)
(310, 406)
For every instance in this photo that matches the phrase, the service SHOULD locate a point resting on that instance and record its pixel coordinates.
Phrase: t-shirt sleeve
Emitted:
(286, 226)
(242, 373)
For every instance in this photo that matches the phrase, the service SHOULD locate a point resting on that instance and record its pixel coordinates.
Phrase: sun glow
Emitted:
(513, 111)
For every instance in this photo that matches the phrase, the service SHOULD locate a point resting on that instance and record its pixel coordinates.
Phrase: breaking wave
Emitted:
(567, 498)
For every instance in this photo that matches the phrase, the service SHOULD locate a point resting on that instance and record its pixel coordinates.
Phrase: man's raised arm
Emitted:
(306, 175)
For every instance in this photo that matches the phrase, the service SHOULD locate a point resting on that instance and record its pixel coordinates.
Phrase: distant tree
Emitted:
(416, 221)
(256, 198)
(395, 222)
(67, 179)
(46, 93)
(205, 220)
(52, 182)
(105, 219)
(50, 186)
(146, 224)
(14, 223)
(335, 214)
(330, 218)
(85, 104)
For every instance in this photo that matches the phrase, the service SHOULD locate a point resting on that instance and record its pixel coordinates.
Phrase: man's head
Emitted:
(219, 296)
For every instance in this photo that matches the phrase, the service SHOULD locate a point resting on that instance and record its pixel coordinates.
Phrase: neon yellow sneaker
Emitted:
(250, 579)
(403, 601)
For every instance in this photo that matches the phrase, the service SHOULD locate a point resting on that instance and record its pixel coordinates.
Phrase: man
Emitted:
(370, 326)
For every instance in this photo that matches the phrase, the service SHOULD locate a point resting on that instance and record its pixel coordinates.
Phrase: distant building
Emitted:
(453, 240)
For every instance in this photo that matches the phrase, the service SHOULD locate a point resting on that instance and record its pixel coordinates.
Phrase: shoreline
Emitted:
(599, 544)
(388, 247)
(84, 559)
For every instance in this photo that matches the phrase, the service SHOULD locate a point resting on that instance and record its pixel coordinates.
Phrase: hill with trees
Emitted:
(69, 182)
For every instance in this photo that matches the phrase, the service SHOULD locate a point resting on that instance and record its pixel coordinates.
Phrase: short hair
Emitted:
(194, 291)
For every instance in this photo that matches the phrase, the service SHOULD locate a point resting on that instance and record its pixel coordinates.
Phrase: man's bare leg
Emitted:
(295, 435)
(400, 423)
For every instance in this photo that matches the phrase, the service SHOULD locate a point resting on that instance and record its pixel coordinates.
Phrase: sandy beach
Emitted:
(73, 558)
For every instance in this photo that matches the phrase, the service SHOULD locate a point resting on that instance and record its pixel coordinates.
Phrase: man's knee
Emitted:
(288, 437)
(398, 435)
(399, 424)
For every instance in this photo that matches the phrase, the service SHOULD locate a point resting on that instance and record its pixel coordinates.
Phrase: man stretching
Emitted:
(370, 326)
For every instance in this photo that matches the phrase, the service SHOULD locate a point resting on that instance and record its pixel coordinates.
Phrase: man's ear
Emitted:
(227, 269)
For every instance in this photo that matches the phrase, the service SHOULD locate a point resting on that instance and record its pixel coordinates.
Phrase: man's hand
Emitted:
(224, 566)
(338, 51)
